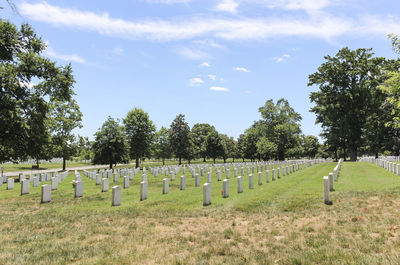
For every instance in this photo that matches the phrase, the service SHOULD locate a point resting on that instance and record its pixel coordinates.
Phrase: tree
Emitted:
(249, 143)
(162, 147)
(310, 145)
(266, 148)
(110, 145)
(280, 125)
(230, 147)
(85, 148)
(65, 117)
(214, 145)
(27, 81)
(140, 132)
(348, 86)
(179, 137)
(200, 132)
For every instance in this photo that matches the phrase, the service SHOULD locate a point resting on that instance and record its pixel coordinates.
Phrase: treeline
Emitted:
(276, 136)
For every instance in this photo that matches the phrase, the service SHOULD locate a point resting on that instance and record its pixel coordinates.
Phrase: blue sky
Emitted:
(214, 61)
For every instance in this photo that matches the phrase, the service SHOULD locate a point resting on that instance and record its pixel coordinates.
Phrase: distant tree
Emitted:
(179, 136)
(199, 133)
(215, 145)
(140, 132)
(190, 149)
(65, 117)
(110, 145)
(266, 148)
(230, 147)
(280, 125)
(249, 144)
(27, 80)
(162, 147)
(348, 94)
(85, 148)
(310, 146)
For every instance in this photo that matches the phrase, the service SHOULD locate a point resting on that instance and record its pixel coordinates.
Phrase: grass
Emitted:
(44, 166)
(281, 222)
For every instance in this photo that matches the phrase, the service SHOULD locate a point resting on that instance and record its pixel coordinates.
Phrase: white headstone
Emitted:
(98, 179)
(46, 193)
(165, 186)
(251, 181)
(116, 196)
(330, 181)
(143, 190)
(240, 184)
(78, 189)
(54, 183)
(196, 180)
(126, 182)
(183, 183)
(105, 185)
(35, 181)
(10, 184)
(207, 194)
(326, 190)
(25, 186)
(260, 178)
(225, 188)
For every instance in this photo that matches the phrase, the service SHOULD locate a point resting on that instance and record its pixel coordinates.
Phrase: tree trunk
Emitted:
(137, 161)
(353, 153)
(224, 160)
(180, 160)
(336, 158)
(37, 163)
(163, 161)
(63, 163)
(204, 159)
(233, 159)
(214, 159)
(111, 165)
(376, 155)
(345, 153)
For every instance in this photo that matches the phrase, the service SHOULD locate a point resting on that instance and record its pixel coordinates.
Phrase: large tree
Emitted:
(311, 145)
(110, 145)
(347, 94)
(199, 133)
(140, 132)
(65, 117)
(179, 137)
(27, 81)
(214, 145)
(161, 146)
(280, 125)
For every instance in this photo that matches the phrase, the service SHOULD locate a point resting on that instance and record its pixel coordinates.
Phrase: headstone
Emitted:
(225, 188)
(165, 186)
(330, 181)
(197, 180)
(207, 194)
(105, 185)
(278, 171)
(25, 186)
(267, 177)
(116, 196)
(126, 182)
(173, 175)
(219, 175)
(35, 181)
(78, 189)
(326, 190)
(98, 179)
(209, 177)
(10, 184)
(54, 183)
(183, 183)
(46, 193)
(143, 190)
(115, 178)
(260, 178)
(21, 177)
(251, 181)
(273, 174)
(240, 184)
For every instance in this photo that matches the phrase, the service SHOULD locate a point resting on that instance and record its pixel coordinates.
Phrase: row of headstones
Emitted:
(328, 182)
(392, 167)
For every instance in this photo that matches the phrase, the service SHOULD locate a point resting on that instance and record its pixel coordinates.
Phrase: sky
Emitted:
(215, 61)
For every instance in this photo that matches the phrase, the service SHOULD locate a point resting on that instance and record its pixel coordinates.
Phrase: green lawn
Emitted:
(281, 222)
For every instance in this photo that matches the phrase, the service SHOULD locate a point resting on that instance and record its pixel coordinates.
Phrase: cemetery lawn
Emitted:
(281, 222)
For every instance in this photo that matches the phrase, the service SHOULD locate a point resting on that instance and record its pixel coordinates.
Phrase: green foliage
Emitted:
(110, 145)
(199, 133)
(310, 145)
(27, 79)
(266, 148)
(161, 146)
(347, 95)
(215, 145)
(65, 117)
(179, 137)
(230, 147)
(140, 132)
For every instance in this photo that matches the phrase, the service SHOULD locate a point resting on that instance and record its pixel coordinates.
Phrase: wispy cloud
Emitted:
(229, 6)
(207, 43)
(325, 26)
(212, 77)
(196, 81)
(241, 69)
(65, 57)
(118, 51)
(218, 88)
(169, 2)
(281, 58)
(205, 64)
(193, 54)
(247, 91)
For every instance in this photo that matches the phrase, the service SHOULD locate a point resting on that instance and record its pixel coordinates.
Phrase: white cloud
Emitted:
(118, 51)
(310, 6)
(207, 43)
(281, 58)
(218, 88)
(196, 81)
(169, 2)
(229, 6)
(65, 57)
(241, 28)
(241, 69)
(247, 91)
(205, 64)
(193, 54)
(212, 77)
(28, 85)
